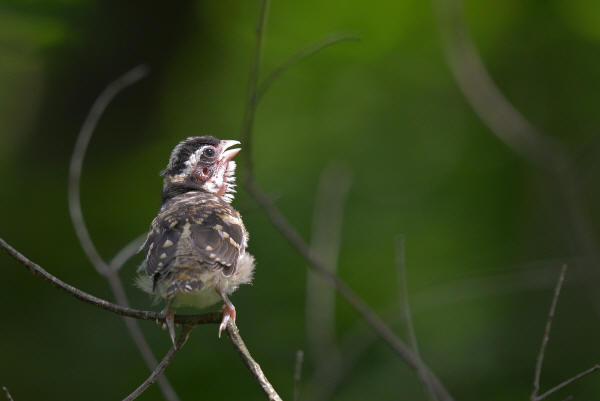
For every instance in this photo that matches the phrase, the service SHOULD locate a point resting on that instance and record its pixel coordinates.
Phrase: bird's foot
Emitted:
(228, 314)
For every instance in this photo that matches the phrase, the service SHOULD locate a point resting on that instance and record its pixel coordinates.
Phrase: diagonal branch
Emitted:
(214, 317)
(183, 336)
(377, 324)
(540, 358)
(253, 366)
(7, 393)
(568, 381)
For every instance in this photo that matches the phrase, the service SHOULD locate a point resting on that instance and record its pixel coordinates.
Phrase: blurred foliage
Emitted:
(473, 214)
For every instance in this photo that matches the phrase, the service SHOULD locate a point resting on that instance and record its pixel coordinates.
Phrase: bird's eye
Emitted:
(208, 152)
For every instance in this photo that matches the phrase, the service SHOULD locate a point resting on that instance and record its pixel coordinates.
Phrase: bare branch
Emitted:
(83, 139)
(214, 317)
(376, 323)
(186, 320)
(298, 373)
(109, 272)
(302, 55)
(253, 366)
(540, 358)
(183, 336)
(7, 394)
(252, 98)
(542, 352)
(568, 381)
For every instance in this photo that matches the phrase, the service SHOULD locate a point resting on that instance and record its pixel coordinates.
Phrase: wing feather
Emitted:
(195, 234)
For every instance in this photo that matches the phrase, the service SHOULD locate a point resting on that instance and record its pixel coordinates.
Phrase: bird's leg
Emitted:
(228, 311)
(169, 316)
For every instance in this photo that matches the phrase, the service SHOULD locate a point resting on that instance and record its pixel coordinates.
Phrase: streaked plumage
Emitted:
(196, 248)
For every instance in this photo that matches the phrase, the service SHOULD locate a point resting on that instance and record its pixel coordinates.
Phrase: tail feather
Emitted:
(183, 280)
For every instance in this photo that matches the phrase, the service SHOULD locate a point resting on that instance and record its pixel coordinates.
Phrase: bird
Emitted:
(195, 250)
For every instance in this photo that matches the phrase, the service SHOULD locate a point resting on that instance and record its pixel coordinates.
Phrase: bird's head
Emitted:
(202, 163)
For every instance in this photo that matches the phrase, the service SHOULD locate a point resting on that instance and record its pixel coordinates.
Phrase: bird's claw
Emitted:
(228, 314)
(170, 324)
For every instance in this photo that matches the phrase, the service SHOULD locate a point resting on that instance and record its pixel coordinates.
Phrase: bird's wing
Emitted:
(194, 236)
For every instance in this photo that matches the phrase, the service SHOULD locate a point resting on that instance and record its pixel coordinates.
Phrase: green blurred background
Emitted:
(486, 233)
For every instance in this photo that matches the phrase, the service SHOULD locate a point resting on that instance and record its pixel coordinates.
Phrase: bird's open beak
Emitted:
(227, 155)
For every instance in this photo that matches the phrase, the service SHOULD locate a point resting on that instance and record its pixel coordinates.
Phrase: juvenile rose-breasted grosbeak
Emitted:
(196, 248)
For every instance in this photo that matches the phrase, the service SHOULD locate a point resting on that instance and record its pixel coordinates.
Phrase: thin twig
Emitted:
(252, 98)
(7, 393)
(85, 134)
(213, 317)
(407, 318)
(540, 358)
(546, 337)
(109, 272)
(298, 373)
(302, 55)
(253, 366)
(183, 336)
(568, 381)
(126, 253)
